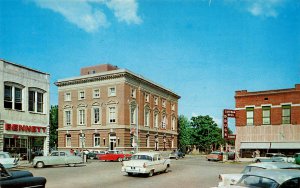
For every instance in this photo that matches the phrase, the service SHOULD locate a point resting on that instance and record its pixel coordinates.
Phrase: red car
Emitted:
(215, 156)
(114, 155)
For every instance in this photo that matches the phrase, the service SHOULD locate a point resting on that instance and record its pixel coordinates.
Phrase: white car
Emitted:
(274, 157)
(7, 161)
(231, 179)
(146, 163)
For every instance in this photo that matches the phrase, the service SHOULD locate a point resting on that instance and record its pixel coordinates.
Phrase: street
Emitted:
(192, 171)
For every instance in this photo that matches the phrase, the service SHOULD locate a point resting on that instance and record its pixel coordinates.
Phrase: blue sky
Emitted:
(204, 50)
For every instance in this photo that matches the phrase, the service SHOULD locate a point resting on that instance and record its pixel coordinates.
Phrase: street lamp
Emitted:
(82, 139)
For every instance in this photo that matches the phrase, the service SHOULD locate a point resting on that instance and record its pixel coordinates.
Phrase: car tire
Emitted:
(120, 159)
(72, 164)
(167, 169)
(151, 173)
(40, 164)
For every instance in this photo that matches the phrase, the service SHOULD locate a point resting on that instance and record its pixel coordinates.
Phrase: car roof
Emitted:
(147, 153)
(275, 165)
(279, 175)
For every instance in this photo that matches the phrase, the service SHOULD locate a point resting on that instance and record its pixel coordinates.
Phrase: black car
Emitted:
(176, 154)
(20, 179)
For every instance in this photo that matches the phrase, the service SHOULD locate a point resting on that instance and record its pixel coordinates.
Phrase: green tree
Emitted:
(184, 129)
(53, 126)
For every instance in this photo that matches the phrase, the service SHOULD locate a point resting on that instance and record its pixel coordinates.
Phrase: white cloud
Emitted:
(85, 15)
(266, 8)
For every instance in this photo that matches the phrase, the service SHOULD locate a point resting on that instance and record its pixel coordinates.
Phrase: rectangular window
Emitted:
(81, 120)
(97, 140)
(112, 114)
(132, 115)
(266, 114)
(156, 120)
(96, 93)
(96, 115)
(8, 97)
(111, 91)
(164, 122)
(40, 102)
(68, 140)
(173, 107)
(155, 100)
(147, 117)
(81, 95)
(31, 101)
(286, 114)
(68, 118)
(18, 98)
(68, 96)
(250, 115)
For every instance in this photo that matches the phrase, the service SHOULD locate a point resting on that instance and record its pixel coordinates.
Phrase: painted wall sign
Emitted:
(24, 128)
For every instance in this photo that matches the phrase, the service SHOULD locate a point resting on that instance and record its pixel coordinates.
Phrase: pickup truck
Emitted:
(274, 157)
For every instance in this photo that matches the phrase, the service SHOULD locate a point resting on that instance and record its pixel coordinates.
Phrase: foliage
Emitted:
(184, 128)
(53, 126)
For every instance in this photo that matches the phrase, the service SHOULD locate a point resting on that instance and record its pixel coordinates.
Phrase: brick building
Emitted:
(24, 110)
(108, 108)
(268, 121)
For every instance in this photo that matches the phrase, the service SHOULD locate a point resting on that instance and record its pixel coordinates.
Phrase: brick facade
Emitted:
(131, 92)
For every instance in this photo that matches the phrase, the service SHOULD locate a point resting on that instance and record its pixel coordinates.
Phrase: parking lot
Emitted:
(192, 171)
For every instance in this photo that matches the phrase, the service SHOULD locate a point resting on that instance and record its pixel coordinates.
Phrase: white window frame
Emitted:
(133, 114)
(147, 116)
(147, 97)
(164, 121)
(173, 123)
(81, 121)
(111, 93)
(68, 96)
(68, 140)
(36, 103)
(96, 93)
(81, 95)
(13, 99)
(94, 115)
(81, 141)
(97, 137)
(156, 121)
(67, 120)
(112, 115)
(173, 107)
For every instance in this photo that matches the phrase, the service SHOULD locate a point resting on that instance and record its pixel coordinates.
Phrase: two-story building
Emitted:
(24, 110)
(268, 121)
(107, 108)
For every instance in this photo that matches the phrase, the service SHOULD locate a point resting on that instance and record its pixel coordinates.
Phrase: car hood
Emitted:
(229, 179)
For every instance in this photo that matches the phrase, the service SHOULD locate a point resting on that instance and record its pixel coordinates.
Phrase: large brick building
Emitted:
(268, 121)
(108, 108)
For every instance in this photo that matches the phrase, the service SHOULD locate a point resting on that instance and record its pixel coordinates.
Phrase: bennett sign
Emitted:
(24, 128)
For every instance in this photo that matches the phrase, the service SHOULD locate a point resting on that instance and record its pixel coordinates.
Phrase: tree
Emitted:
(184, 129)
(53, 126)
(205, 133)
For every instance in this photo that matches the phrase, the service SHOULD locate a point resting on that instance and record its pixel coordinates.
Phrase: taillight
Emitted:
(144, 165)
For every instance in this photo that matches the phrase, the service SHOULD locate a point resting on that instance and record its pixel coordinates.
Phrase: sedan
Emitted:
(215, 156)
(114, 155)
(7, 160)
(176, 154)
(20, 179)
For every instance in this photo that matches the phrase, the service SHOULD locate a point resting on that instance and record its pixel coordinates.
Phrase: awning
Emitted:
(270, 145)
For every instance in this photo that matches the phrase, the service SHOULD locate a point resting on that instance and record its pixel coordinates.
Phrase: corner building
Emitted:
(108, 108)
(24, 110)
(268, 121)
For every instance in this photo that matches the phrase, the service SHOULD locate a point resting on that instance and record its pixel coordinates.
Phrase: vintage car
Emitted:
(57, 158)
(275, 178)
(7, 160)
(176, 154)
(215, 156)
(114, 155)
(94, 154)
(19, 179)
(274, 157)
(146, 163)
(231, 179)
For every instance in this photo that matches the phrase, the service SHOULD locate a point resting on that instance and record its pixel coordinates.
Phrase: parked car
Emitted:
(20, 179)
(297, 158)
(176, 154)
(275, 178)
(146, 163)
(231, 179)
(57, 158)
(215, 156)
(114, 155)
(274, 157)
(7, 160)
(93, 154)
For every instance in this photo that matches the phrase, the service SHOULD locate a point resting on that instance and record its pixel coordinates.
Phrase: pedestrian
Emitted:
(72, 151)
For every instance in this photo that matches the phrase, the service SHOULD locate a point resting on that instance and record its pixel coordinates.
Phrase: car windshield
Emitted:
(141, 157)
(257, 181)
(251, 169)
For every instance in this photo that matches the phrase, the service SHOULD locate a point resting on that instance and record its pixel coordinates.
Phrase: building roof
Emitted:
(21, 66)
(110, 75)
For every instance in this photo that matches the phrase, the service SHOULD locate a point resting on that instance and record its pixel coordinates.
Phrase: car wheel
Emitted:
(120, 159)
(40, 164)
(151, 173)
(258, 161)
(167, 169)
(130, 174)
(71, 164)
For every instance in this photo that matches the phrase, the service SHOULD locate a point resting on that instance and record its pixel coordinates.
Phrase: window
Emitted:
(112, 114)
(96, 115)
(147, 117)
(286, 114)
(156, 119)
(35, 101)
(68, 140)
(163, 103)
(148, 141)
(173, 123)
(13, 97)
(133, 93)
(96, 93)
(81, 116)
(164, 121)
(96, 140)
(112, 91)
(68, 96)
(81, 95)
(68, 118)
(133, 114)
(81, 140)
(173, 107)
(266, 114)
(250, 115)
(147, 96)
(155, 100)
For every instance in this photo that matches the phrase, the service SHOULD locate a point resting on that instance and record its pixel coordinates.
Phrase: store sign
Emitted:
(24, 128)
(227, 114)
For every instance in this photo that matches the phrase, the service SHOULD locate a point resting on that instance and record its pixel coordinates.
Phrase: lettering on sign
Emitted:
(227, 114)
(24, 128)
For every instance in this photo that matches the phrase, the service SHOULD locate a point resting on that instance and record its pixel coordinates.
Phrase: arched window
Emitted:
(97, 140)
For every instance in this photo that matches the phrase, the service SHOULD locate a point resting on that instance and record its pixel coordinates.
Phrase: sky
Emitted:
(203, 50)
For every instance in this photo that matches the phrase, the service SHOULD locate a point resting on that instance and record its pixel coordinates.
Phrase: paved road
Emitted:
(192, 171)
